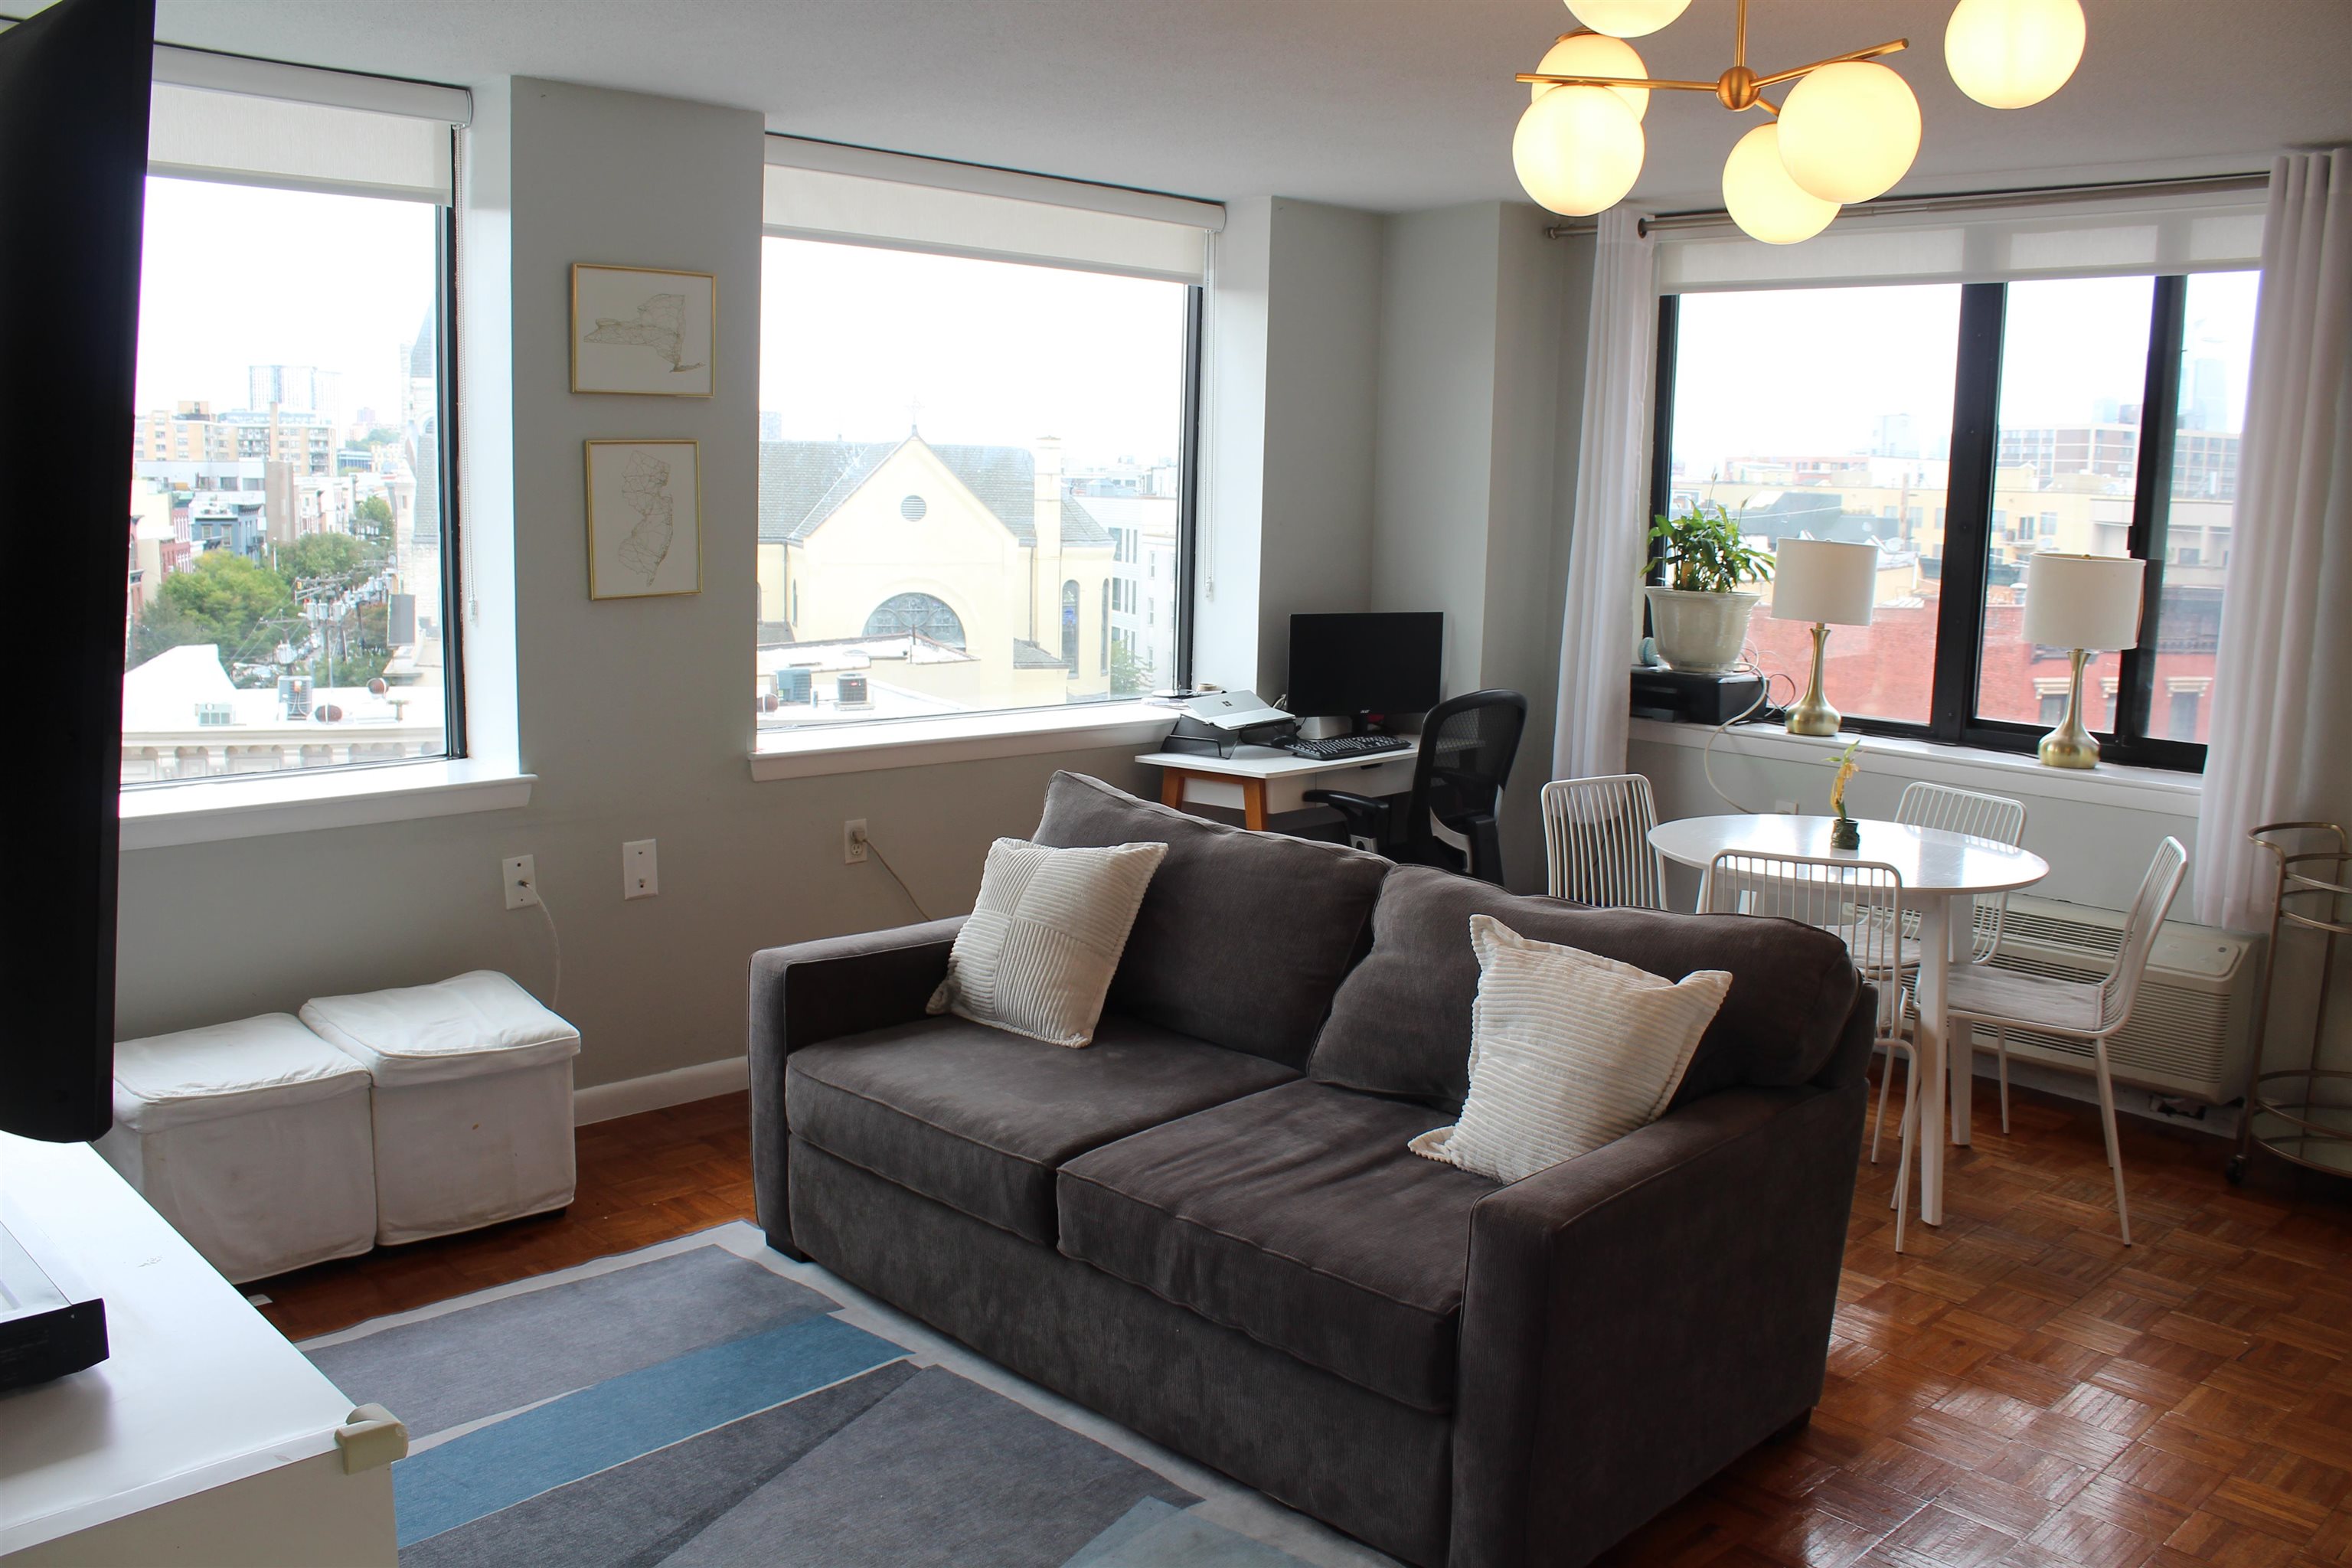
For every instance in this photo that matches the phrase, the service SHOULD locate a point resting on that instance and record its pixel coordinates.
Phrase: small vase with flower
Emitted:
(1845, 833)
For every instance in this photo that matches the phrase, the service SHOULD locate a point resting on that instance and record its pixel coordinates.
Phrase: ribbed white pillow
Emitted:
(1037, 955)
(1569, 1050)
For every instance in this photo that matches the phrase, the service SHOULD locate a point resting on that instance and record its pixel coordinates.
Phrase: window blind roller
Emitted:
(225, 117)
(818, 191)
(2208, 231)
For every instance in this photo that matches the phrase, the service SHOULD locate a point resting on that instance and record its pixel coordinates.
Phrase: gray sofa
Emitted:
(1207, 1225)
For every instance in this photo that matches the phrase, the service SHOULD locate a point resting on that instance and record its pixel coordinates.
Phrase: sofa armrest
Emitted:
(824, 989)
(1634, 1319)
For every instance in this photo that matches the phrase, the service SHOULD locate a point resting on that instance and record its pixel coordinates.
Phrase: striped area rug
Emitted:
(709, 1403)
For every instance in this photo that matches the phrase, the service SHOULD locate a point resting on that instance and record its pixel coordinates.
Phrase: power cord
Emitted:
(555, 939)
(875, 850)
(1750, 665)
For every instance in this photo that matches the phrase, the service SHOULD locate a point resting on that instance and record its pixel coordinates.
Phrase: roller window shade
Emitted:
(916, 204)
(2207, 233)
(225, 117)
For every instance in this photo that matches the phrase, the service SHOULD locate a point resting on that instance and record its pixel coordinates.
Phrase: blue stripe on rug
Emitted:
(619, 1419)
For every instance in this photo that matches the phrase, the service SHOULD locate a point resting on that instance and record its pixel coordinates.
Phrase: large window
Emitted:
(971, 476)
(289, 517)
(1963, 428)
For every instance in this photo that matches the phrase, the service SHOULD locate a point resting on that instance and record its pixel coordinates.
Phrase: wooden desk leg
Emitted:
(1171, 787)
(1254, 804)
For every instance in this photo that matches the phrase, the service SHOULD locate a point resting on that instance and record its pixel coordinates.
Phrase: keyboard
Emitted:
(1345, 748)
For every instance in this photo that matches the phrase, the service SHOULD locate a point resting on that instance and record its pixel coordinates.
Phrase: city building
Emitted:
(1143, 593)
(295, 388)
(980, 551)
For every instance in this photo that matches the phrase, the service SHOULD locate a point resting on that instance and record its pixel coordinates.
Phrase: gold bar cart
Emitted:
(2302, 1114)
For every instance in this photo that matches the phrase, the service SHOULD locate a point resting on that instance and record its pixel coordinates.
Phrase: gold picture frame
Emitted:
(651, 545)
(644, 332)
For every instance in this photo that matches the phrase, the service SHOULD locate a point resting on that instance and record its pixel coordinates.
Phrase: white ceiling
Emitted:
(1386, 104)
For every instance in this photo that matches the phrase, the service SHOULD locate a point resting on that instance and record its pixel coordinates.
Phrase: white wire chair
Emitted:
(1862, 902)
(2089, 1012)
(1993, 816)
(1596, 842)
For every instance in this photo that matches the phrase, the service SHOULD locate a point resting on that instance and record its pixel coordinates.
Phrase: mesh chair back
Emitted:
(2154, 900)
(1596, 842)
(1859, 900)
(1468, 743)
(1992, 816)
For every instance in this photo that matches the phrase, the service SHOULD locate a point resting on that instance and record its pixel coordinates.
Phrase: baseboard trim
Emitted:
(657, 1092)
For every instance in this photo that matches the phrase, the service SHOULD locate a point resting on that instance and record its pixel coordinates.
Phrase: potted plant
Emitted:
(1699, 616)
(1845, 833)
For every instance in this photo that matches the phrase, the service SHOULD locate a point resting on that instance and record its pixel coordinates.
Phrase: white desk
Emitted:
(1258, 780)
(1942, 874)
(203, 1438)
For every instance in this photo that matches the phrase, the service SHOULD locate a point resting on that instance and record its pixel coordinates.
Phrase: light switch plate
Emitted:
(640, 878)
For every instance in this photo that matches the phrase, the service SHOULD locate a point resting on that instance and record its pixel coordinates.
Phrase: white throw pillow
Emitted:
(1045, 936)
(1569, 1050)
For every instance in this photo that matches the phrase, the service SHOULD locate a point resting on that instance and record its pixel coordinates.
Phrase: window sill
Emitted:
(1969, 767)
(923, 742)
(297, 802)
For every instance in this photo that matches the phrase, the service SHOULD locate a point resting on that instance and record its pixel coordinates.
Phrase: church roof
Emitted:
(801, 483)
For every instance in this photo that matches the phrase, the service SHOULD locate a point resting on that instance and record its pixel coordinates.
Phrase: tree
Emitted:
(338, 555)
(226, 599)
(376, 513)
(1130, 670)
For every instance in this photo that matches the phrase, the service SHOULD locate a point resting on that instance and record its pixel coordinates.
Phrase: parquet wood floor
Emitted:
(2019, 1390)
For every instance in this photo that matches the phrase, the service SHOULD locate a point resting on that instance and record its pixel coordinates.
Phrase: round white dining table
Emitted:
(1942, 874)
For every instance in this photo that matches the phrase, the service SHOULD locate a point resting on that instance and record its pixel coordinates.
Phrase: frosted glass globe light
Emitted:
(1761, 197)
(1848, 131)
(1578, 149)
(1594, 54)
(2007, 54)
(1626, 18)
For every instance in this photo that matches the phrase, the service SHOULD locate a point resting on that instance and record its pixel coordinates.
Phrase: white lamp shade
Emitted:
(2082, 601)
(1578, 149)
(1825, 580)
(2007, 54)
(1594, 54)
(1849, 131)
(1626, 18)
(1763, 200)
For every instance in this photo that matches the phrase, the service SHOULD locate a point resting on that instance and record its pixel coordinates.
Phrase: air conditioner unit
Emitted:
(2191, 1027)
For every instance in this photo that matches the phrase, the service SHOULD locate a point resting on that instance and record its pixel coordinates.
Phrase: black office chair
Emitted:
(1466, 746)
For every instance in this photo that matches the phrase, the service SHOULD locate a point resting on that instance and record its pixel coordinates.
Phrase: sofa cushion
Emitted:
(1400, 1024)
(1300, 1217)
(979, 1119)
(1242, 937)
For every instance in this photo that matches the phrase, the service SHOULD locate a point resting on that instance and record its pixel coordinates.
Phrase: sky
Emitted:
(858, 343)
(1808, 371)
(236, 275)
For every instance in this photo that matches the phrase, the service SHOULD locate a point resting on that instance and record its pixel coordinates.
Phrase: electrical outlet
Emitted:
(1785, 807)
(853, 842)
(639, 877)
(520, 873)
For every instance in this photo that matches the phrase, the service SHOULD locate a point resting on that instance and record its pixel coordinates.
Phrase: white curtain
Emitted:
(2280, 747)
(1612, 495)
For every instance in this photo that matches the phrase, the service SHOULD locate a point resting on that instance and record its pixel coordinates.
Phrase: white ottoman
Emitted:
(472, 1102)
(252, 1139)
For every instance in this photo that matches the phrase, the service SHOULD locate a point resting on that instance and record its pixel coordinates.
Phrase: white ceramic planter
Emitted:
(1701, 633)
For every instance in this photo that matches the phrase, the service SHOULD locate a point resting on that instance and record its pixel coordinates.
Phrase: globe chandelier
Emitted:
(1845, 132)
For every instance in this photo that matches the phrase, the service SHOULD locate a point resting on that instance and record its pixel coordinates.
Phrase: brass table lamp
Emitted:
(2087, 603)
(1828, 583)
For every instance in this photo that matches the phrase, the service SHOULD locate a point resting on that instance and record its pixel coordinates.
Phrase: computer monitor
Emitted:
(1350, 665)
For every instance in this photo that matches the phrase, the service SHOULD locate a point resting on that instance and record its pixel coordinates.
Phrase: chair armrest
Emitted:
(824, 989)
(1368, 816)
(1634, 1319)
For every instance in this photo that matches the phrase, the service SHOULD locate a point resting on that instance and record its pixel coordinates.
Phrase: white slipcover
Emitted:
(472, 1104)
(252, 1139)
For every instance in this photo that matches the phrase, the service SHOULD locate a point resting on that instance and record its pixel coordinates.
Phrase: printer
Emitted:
(1214, 722)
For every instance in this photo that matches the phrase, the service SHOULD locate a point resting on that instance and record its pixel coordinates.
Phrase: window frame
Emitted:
(1967, 525)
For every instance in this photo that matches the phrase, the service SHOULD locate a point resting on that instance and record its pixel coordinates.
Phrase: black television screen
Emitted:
(1384, 663)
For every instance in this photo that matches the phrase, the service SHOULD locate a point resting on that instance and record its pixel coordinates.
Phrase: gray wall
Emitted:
(634, 714)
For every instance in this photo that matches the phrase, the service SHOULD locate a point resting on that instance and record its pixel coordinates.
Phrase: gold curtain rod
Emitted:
(1960, 202)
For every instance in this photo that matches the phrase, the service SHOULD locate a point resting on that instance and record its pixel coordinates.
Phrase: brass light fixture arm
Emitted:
(1871, 53)
(1615, 81)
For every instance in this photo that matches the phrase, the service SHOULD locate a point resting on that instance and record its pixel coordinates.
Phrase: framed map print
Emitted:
(637, 329)
(644, 519)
